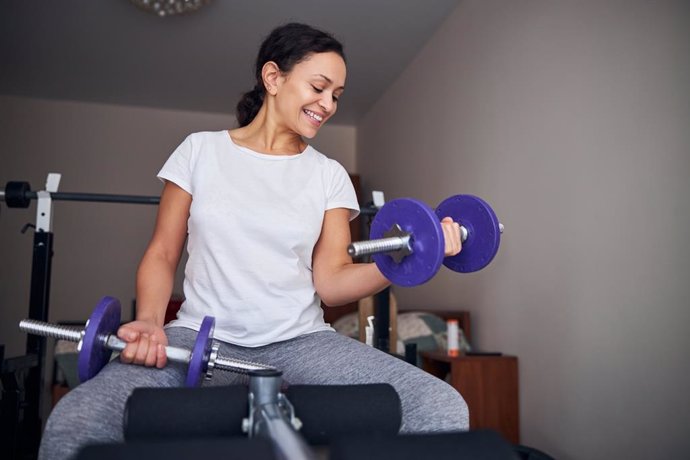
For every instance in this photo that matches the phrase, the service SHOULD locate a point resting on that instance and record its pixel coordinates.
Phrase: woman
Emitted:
(267, 221)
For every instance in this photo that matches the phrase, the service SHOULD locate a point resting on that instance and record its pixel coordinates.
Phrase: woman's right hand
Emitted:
(146, 343)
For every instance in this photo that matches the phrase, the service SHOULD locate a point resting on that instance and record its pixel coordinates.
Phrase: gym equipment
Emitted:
(329, 412)
(182, 449)
(407, 240)
(18, 194)
(326, 412)
(356, 422)
(472, 445)
(205, 417)
(99, 338)
(271, 416)
(176, 413)
(349, 409)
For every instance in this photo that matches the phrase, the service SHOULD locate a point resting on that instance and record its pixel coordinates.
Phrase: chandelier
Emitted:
(165, 8)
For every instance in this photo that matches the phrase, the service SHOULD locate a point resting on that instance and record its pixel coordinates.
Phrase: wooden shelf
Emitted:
(489, 385)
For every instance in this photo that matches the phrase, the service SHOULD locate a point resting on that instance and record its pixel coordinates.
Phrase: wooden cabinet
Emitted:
(489, 385)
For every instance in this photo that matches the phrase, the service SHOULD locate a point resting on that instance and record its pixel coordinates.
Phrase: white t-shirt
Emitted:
(254, 221)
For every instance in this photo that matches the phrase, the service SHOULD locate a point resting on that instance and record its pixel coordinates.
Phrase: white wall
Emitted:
(573, 120)
(98, 149)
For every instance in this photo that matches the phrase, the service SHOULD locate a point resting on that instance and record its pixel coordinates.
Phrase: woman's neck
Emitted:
(265, 136)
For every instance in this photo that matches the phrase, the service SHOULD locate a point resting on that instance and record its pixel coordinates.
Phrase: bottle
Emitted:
(453, 342)
(369, 331)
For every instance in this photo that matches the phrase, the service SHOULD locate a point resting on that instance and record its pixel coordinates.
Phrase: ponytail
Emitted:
(249, 105)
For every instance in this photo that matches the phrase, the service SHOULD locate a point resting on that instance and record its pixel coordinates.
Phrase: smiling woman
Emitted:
(266, 220)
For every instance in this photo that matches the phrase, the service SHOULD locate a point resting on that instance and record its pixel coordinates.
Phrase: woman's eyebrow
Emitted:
(327, 79)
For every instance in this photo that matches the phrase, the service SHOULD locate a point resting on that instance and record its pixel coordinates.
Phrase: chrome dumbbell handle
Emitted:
(73, 334)
(235, 365)
(31, 326)
(174, 354)
(396, 241)
(112, 342)
(368, 247)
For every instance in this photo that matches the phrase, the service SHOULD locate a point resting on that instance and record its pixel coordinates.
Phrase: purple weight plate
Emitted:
(484, 235)
(418, 219)
(104, 320)
(198, 363)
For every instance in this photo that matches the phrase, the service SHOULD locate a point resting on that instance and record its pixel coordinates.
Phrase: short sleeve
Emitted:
(341, 192)
(178, 167)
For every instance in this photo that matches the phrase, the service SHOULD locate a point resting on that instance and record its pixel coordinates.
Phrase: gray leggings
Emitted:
(93, 412)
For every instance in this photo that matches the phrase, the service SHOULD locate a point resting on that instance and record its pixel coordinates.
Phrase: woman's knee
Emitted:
(434, 406)
(102, 399)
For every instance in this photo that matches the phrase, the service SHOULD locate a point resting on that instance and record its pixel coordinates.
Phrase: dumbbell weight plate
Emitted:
(416, 218)
(484, 235)
(201, 352)
(94, 355)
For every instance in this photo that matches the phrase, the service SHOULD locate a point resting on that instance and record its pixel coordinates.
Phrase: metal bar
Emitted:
(376, 246)
(69, 333)
(234, 365)
(129, 199)
(105, 198)
(382, 311)
(368, 210)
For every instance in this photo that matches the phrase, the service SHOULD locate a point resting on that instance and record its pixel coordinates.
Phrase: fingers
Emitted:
(130, 336)
(147, 351)
(127, 355)
(143, 348)
(127, 334)
(451, 234)
(161, 357)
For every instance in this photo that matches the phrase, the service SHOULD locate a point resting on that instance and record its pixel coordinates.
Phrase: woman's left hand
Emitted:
(451, 233)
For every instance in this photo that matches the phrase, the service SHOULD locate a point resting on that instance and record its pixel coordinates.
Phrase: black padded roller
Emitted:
(329, 411)
(16, 194)
(173, 413)
(255, 449)
(473, 445)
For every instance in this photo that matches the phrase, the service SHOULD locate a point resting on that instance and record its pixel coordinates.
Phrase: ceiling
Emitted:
(109, 51)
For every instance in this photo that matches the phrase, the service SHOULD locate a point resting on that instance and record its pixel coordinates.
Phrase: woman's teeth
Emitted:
(316, 117)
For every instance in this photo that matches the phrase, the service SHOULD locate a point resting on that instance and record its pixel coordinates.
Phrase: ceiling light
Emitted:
(165, 8)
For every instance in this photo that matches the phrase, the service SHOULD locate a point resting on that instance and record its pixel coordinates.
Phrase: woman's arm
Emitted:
(155, 278)
(338, 281)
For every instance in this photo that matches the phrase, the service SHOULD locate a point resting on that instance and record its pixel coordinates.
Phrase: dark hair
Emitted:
(286, 46)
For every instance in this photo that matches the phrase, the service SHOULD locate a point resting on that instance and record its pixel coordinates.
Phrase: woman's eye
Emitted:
(320, 90)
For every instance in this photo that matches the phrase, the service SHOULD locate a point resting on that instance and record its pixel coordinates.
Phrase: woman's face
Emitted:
(308, 95)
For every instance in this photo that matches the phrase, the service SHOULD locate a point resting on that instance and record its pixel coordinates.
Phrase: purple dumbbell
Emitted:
(99, 339)
(407, 241)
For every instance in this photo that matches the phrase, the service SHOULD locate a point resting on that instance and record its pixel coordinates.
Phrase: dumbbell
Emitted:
(407, 240)
(99, 339)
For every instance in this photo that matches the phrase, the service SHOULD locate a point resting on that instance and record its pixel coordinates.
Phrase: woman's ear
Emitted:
(271, 74)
